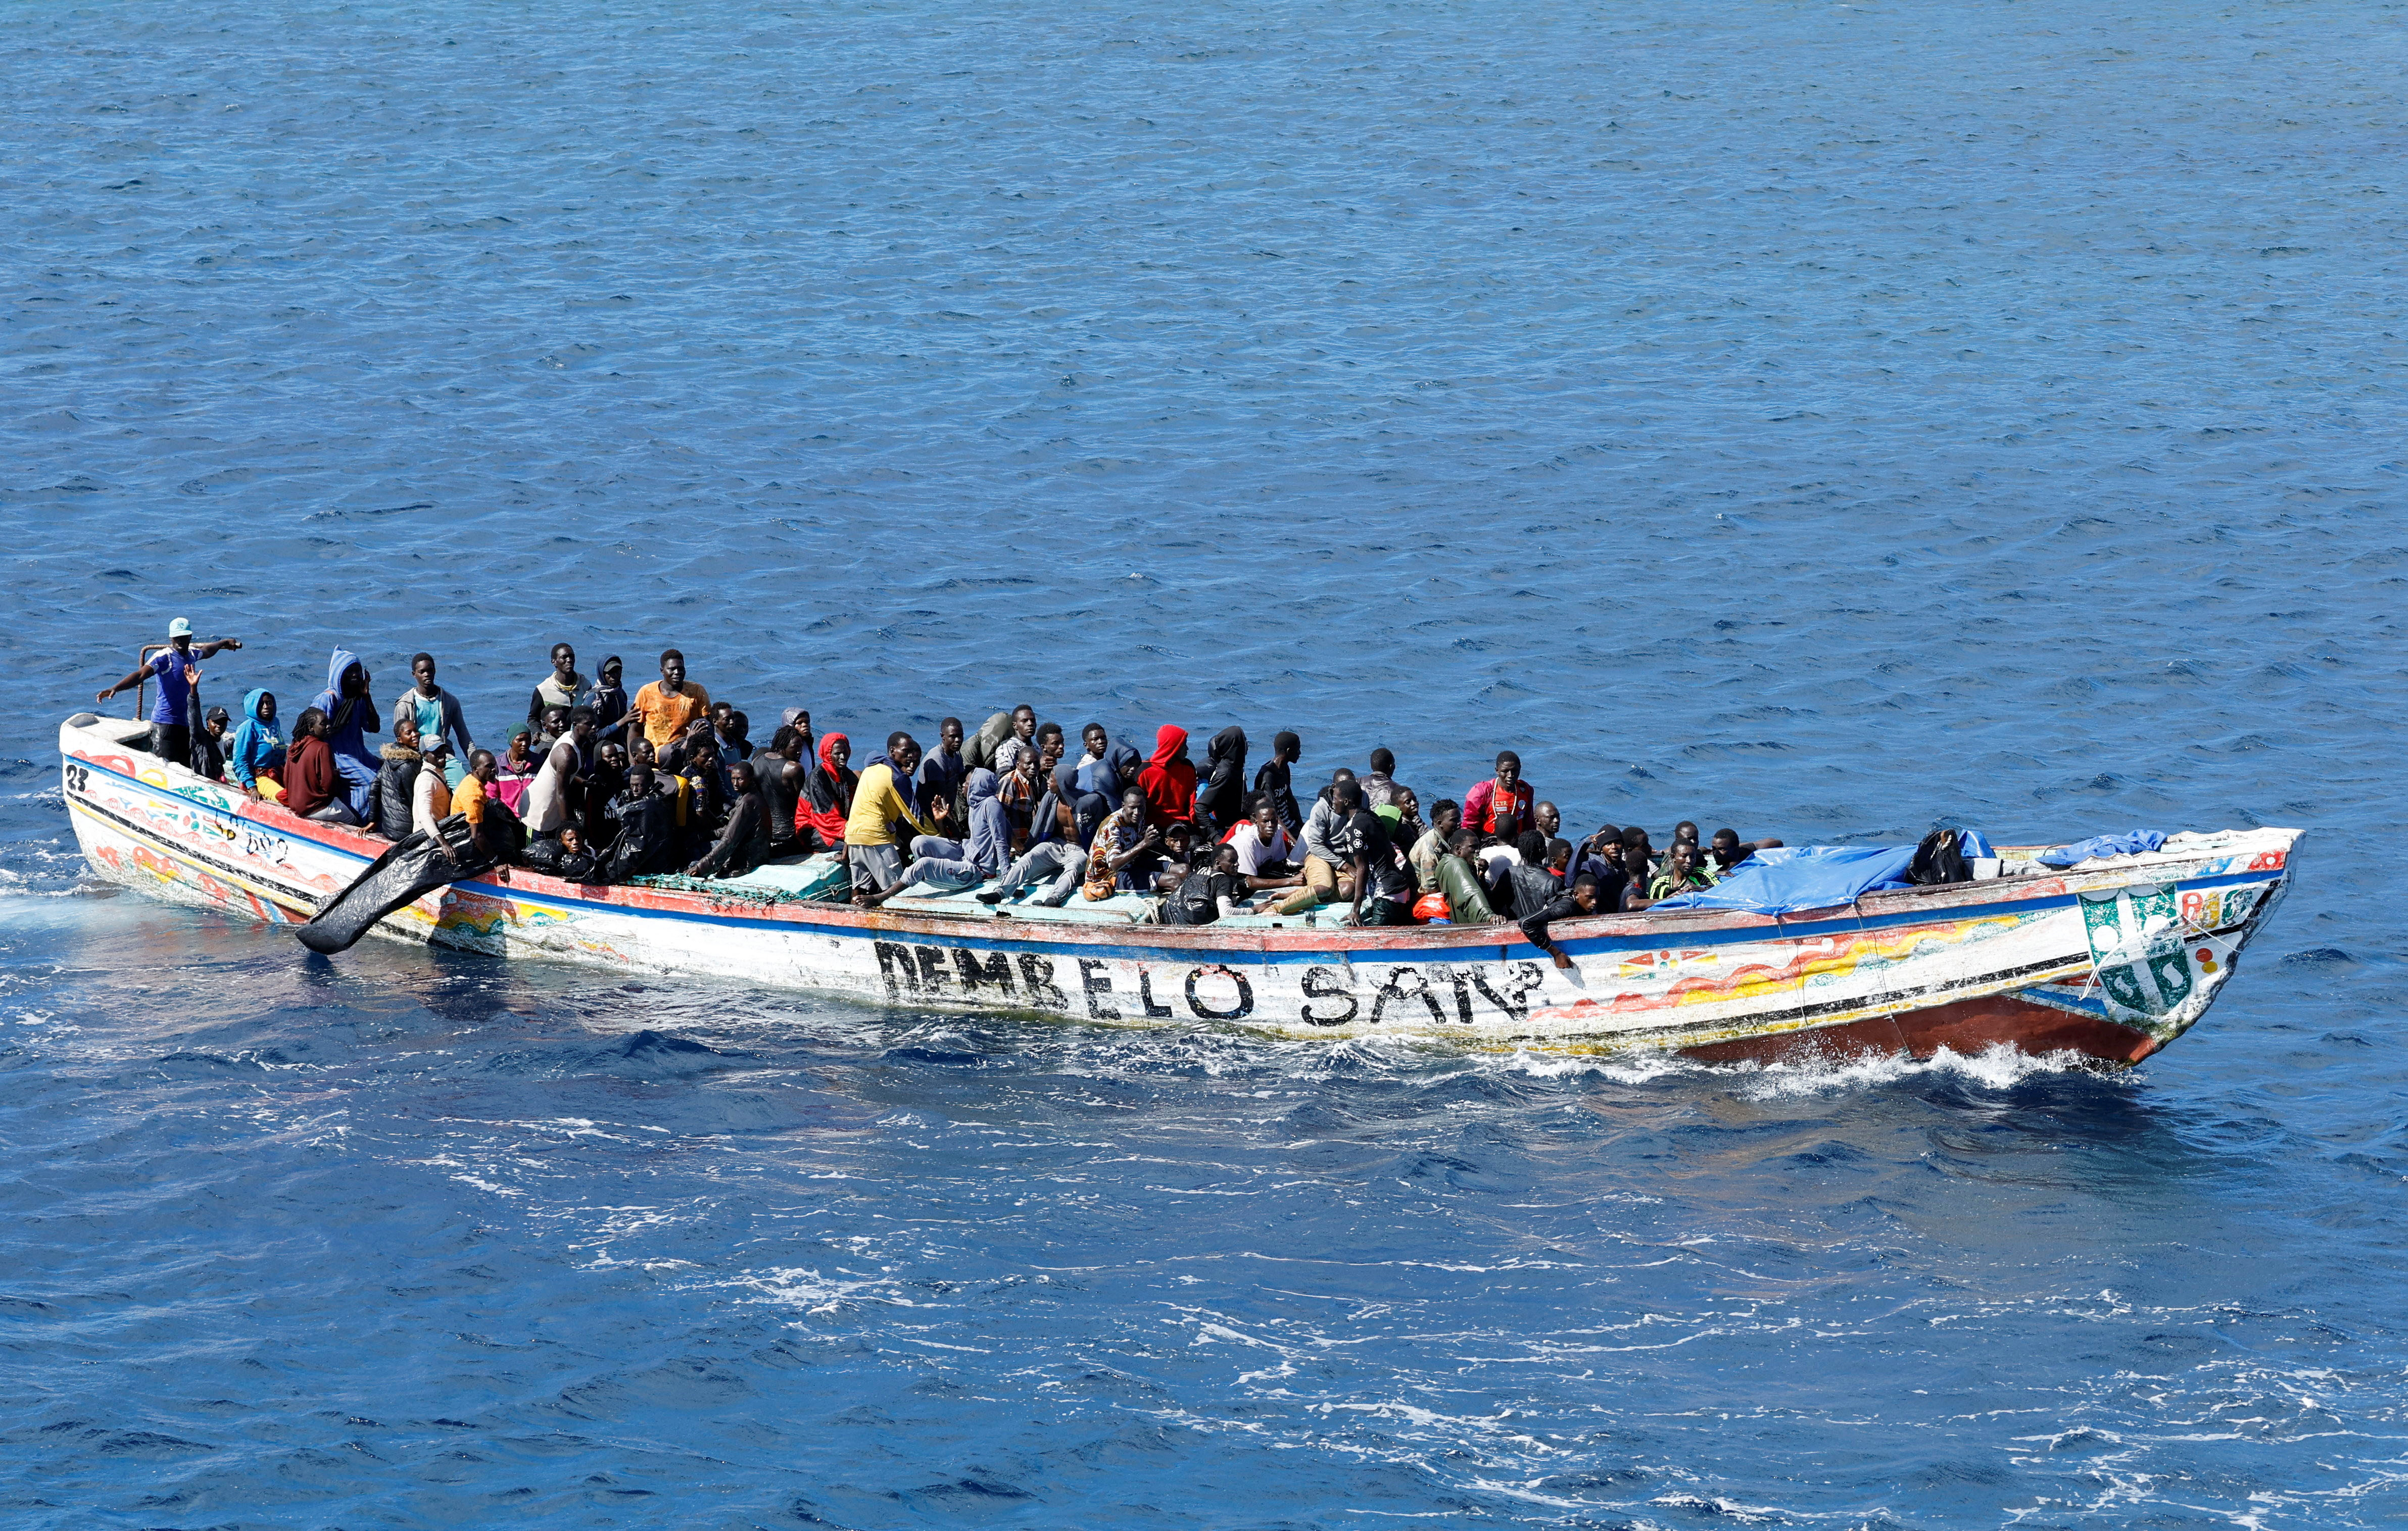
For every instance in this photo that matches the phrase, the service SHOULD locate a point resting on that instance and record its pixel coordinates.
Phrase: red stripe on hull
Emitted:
(1966, 1027)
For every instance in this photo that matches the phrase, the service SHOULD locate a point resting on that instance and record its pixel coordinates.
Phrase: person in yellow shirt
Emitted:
(667, 706)
(884, 794)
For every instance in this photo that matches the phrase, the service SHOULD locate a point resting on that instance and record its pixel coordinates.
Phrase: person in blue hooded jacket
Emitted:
(257, 750)
(350, 718)
(954, 864)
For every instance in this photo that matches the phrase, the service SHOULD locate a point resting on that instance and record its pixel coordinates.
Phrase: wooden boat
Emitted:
(2110, 960)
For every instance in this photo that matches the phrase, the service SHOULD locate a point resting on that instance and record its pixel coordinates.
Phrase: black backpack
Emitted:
(1937, 859)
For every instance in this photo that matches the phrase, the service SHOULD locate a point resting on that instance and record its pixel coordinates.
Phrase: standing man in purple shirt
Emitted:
(177, 669)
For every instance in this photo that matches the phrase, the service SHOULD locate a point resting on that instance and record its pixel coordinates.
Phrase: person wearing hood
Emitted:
(1221, 800)
(1059, 861)
(430, 794)
(209, 746)
(1169, 780)
(438, 712)
(258, 751)
(954, 864)
(743, 841)
(350, 712)
(826, 802)
(560, 688)
(397, 780)
(609, 699)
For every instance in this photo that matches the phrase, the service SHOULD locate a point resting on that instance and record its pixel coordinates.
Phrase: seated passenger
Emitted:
(826, 802)
(562, 853)
(313, 786)
(743, 841)
(1326, 879)
(1502, 808)
(1107, 769)
(514, 770)
(1548, 820)
(1179, 856)
(549, 729)
(1578, 900)
(1538, 880)
(1681, 874)
(646, 837)
(1122, 841)
(258, 753)
(1059, 862)
(1221, 797)
(208, 746)
(881, 799)
(397, 780)
(1444, 821)
(942, 772)
(778, 767)
(953, 865)
(607, 780)
(1384, 888)
(430, 794)
(1169, 779)
(549, 801)
(1466, 899)
(1408, 825)
(1206, 894)
(1264, 849)
(492, 821)
(1729, 851)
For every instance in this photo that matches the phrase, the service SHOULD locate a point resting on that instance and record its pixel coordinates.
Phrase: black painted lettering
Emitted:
(1245, 995)
(1036, 971)
(1462, 982)
(1524, 978)
(996, 970)
(1145, 998)
(932, 968)
(1092, 979)
(895, 966)
(1406, 985)
(1325, 984)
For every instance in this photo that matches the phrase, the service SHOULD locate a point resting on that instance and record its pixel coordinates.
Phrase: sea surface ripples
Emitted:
(1818, 418)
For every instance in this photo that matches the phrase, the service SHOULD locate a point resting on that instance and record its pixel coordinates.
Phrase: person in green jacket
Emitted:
(1466, 903)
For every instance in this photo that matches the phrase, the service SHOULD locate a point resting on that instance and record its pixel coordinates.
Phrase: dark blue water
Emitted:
(1814, 419)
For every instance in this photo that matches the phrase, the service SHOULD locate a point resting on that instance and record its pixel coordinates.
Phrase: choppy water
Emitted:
(1813, 418)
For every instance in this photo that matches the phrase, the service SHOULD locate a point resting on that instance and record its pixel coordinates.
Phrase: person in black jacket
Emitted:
(209, 746)
(648, 829)
(1580, 900)
(743, 843)
(396, 782)
(1286, 750)
(1221, 800)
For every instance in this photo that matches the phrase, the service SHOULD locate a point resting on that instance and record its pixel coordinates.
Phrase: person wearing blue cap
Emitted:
(177, 667)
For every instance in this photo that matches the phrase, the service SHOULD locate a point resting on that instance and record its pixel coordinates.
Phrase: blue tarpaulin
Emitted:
(1802, 876)
(2136, 843)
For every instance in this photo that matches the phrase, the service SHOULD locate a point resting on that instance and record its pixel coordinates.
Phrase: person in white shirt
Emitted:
(1263, 847)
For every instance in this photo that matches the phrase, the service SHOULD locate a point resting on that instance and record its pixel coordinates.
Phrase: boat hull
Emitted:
(2110, 963)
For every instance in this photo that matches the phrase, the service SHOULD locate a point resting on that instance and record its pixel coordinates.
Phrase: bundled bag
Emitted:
(1939, 860)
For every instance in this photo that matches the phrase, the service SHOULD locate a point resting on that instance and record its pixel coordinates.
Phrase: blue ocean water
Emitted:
(1812, 417)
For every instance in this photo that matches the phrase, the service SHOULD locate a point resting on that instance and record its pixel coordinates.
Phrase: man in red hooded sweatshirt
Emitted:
(1169, 780)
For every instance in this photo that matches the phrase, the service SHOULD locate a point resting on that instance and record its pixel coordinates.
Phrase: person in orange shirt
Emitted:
(667, 706)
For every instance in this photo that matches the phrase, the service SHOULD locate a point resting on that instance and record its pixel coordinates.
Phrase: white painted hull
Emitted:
(2113, 963)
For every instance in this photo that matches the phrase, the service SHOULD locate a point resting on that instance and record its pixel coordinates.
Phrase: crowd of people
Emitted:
(598, 786)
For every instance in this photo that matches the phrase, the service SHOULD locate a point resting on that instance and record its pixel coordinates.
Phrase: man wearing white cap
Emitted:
(177, 667)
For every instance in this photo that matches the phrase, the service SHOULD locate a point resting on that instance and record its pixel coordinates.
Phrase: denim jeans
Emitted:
(1065, 864)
